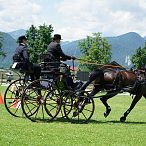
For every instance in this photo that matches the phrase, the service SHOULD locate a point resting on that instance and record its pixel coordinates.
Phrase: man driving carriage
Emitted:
(56, 55)
(55, 51)
(21, 56)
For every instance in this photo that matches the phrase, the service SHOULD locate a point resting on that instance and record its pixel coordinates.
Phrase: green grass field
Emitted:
(99, 131)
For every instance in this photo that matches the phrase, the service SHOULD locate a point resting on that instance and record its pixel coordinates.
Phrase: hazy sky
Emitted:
(75, 19)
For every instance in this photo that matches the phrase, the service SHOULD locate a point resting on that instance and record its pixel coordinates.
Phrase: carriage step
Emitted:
(127, 89)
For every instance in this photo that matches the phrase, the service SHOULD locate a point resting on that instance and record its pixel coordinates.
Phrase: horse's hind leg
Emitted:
(134, 102)
(95, 90)
(104, 101)
(144, 96)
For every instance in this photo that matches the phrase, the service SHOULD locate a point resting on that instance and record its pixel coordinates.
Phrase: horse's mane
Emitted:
(113, 65)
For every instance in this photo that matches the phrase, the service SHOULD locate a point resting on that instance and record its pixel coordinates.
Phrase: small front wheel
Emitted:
(79, 108)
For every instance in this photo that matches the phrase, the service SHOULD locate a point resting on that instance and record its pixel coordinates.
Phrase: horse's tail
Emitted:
(94, 75)
(97, 74)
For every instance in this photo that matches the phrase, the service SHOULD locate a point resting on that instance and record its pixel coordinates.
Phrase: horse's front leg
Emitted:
(134, 102)
(104, 99)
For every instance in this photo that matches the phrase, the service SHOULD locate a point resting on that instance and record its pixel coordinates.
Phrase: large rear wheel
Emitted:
(34, 99)
(13, 95)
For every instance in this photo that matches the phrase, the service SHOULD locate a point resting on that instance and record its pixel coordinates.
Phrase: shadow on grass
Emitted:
(115, 122)
(64, 120)
(57, 120)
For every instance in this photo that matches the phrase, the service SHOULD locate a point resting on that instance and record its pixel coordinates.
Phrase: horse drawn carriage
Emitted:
(45, 98)
(52, 95)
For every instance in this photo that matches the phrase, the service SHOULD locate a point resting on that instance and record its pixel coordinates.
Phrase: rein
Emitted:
(82, 61)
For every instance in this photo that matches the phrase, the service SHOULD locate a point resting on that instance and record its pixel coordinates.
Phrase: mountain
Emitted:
(72, 49)
(17, 33)
(145, 38)
(123, 47)
(9, 46)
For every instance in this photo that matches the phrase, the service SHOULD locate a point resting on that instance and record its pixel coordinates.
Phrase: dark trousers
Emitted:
(32, 70)
(36, 72)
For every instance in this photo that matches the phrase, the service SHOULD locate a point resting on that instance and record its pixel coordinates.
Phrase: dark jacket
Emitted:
(21, 53)
(54, 49)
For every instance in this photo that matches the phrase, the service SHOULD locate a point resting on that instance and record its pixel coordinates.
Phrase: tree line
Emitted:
(94, 48)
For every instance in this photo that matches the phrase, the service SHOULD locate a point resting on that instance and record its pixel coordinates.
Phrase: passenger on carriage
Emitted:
(56, 55)
(21, 56)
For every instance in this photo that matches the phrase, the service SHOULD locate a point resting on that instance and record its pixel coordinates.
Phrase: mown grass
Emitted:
(99, 131)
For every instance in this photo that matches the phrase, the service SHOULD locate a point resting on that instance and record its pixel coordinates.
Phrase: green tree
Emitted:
(139, 58)
(2, 53)
(38, 40)
(95, 49)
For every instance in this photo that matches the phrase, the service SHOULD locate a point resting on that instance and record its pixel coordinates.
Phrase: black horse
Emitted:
(113, 75)
(140, 91)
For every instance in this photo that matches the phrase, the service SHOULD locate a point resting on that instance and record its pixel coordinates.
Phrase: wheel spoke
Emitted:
(80, 113)
(12, 97)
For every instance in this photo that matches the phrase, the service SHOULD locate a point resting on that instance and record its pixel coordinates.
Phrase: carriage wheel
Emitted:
(53, 103)
(66, 94)
(59, 98)
(79, 109)
(33, 100)
(12, 97)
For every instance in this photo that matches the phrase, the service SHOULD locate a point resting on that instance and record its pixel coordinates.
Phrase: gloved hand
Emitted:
(72, 57)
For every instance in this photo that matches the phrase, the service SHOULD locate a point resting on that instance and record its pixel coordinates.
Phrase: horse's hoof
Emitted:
(123, 119)
(76, 113)
(105, 114)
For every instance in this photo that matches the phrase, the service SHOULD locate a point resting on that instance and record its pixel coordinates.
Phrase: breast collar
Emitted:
(22, 44)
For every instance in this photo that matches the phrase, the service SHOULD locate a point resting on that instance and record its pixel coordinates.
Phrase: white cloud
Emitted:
(75, 19)
(69, 33)
(16, 14)
(111, 17)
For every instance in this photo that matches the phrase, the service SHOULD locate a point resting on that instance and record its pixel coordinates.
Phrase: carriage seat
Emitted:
(20, 67)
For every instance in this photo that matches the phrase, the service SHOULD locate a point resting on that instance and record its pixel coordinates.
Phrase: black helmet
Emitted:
(22, 38)
(57, 37)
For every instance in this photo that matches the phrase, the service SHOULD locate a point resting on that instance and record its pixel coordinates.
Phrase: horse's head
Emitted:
(140, 73)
